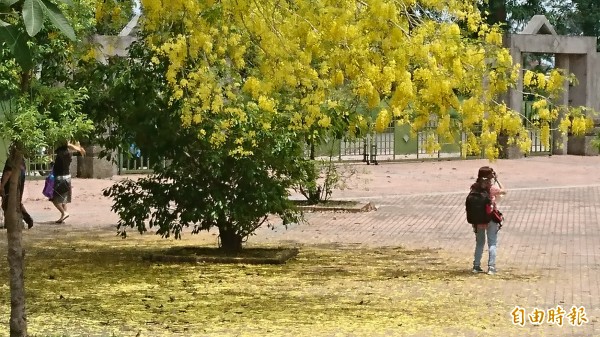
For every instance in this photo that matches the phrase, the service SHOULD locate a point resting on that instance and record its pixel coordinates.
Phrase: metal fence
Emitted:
(133, 164)
(398, 143)
(537, 146)
(39, 166)
(395, 143)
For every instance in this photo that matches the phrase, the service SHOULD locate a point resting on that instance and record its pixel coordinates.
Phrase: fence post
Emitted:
(120, 162)
(418, 143)
(394, 142)
(374, 153)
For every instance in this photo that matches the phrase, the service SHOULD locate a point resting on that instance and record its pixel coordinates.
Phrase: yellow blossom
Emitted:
(308, 66)
(266, 104)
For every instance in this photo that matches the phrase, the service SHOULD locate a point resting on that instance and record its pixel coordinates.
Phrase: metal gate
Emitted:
(530, 120)
(395, 143)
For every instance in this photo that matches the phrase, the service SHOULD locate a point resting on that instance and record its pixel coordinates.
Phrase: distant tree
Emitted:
(570, 17)
(495, 11)
(582, 17)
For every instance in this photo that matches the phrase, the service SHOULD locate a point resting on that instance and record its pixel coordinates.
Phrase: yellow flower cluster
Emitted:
(581, 124)
(90, 55)
(552, 84)
(548, 87)
(545, 135)
(472, 110)
(239, 66)
(556, 81)
(471, 146)
(383, 120)
(431, 143)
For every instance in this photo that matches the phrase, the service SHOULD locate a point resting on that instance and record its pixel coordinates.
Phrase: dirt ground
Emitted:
(91, 209)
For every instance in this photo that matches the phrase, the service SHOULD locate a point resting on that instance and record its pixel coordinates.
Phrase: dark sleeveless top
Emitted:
(62, 162)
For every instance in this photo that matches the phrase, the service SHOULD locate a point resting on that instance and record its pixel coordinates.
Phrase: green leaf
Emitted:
(8, 2)
(4, 24)
(33, 16)
(58, 19)
(7, 107)
(67, 2)
(17, 42)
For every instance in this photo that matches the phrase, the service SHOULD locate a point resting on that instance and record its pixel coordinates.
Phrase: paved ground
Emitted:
(552, 229)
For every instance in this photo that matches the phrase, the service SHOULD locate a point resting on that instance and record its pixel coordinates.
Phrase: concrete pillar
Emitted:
(515, 101)
(91, 166)
(581, 66)
(559, 141)
(594, 72)
(579, 93)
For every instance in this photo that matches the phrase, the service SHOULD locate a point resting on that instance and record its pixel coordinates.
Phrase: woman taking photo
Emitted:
(486, 177)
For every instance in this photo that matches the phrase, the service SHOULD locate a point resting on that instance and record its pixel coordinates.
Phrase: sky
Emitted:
(137, 7)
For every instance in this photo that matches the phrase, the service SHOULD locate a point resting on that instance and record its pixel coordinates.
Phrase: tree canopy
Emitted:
(316, 66)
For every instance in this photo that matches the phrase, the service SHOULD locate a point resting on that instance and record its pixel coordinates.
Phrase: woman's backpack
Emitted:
(476, 207)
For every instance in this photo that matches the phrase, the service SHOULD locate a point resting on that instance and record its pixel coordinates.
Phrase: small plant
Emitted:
(323, 177)
(204, 188)
(596, 141)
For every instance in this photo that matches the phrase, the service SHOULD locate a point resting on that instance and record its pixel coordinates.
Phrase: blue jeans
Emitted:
(492, 239)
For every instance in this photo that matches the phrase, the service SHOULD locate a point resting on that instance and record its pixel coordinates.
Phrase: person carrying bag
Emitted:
(484, 216)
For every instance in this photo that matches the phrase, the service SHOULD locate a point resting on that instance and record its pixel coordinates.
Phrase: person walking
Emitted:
(486, 177)
(62, 177)
(5, 189)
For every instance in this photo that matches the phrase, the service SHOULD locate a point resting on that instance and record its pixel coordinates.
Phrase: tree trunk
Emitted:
(314, 195)
(16, 256)
(497, 11)
(231, 241)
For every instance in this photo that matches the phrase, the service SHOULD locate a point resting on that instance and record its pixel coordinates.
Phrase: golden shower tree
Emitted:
(315, 65)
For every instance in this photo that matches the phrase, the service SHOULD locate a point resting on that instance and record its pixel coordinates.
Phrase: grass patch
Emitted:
(98, 285)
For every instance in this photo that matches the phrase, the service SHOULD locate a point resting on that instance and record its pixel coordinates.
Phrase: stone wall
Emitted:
(582, 145)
